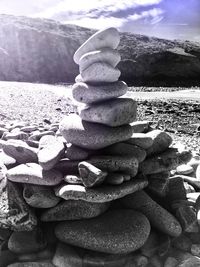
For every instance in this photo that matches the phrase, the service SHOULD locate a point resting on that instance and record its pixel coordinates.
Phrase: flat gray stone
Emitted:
(100, 72)
(159, 218)
(74, 210)
(116, 231)
(125, 149)
(104, 38)
(140, 139)
(7, 160)
(140, 126)
(73, 152)
(92, 135)
(105, 54)
(20, 151)
(125, 164)
(117, 178)
(19, 135)
(38, 196)
(116, 112)
(104, 193)
(88, 94)
(32, 173)
(37, 135)
(51, 150)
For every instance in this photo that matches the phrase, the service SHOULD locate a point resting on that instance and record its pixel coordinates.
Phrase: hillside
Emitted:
(40, 50)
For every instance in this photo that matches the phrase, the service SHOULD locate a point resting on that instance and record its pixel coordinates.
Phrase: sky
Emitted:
(170, 19)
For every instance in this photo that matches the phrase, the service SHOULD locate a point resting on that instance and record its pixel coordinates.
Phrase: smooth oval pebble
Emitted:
(74, 210)
(92, 135)
(88, 94)
(141, 140)
(76, 153)
(38, 196)
(115, 112)
(104, 193)
(32, 264)
(130, 230)
(104, 38)
(105, 54)
(32, 173)
(100, 73)
(157, 215)
(27, 242)
(20, 151)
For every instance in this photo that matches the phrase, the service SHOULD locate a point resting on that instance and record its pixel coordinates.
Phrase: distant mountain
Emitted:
(40, 50)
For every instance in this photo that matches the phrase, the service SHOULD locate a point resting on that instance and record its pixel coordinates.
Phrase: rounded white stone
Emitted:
(100, 72)
(106, 54)
(104, 38)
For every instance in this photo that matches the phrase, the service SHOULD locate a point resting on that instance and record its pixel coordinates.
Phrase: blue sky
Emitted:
(171, 19)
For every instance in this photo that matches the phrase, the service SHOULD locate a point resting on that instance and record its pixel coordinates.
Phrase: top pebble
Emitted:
(106, 38)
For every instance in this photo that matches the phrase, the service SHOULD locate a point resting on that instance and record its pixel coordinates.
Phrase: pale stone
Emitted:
(32, 173)
(20, 151)
(100, 73)
(89, 94)
(140, 126)
(105, 54)
(113, 113)
(92, 135)
(104, 193)
(184, 169)
(50, 151)
(104, 38)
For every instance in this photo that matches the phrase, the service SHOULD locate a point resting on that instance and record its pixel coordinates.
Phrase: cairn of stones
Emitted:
(100, 188)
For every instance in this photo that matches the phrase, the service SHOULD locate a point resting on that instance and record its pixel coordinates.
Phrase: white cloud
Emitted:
(73, 7)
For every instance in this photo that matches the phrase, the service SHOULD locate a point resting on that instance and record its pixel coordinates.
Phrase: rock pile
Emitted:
(100, 188)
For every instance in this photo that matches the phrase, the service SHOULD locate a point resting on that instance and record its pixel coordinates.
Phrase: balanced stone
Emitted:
(88, 94)
(27, 242)
(92, 135)
(140, 139)
(113, 113)
(15, 214)
(74, 210)
(130, 230)
(105, 54)
(38, 196)
(32, 173)
(161, 141)
(104, 193)
(140, 126)
(100, 72)
(91, 175)
(73, 179)
(157, 215)
(105, 38)
(20, 151)
(76, 153)
(125, 149)
(50, 151)
(125, 164)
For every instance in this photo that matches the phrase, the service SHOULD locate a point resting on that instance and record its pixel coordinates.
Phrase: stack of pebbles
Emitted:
(99, 190)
